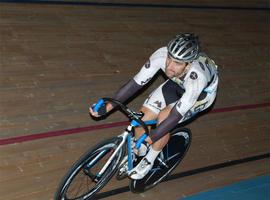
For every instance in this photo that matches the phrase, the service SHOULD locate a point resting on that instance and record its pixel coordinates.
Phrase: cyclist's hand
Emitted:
(103, 109)
(92, 113)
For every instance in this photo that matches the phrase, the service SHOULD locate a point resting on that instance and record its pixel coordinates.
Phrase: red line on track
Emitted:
(240, 107)
(31, 137)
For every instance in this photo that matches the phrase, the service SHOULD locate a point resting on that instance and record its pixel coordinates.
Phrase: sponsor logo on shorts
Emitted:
(158, 103)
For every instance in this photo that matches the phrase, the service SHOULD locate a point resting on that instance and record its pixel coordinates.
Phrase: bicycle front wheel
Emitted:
(84, 180)
(168, 159)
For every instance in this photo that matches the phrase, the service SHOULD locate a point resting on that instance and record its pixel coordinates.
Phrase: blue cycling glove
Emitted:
(102, 110)
(100, 107)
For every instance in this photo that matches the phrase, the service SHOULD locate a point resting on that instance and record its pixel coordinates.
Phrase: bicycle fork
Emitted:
(124, 136)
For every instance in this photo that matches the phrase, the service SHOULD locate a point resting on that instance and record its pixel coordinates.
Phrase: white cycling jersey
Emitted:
(201, 76)
(188, 95)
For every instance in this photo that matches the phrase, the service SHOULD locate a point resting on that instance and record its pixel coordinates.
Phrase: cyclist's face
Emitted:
(174, 68)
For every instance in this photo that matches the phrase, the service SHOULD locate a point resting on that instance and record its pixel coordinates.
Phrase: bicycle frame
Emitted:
(135, 122)
(126, 138)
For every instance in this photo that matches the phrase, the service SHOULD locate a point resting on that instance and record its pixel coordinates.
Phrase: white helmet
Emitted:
(184, 47)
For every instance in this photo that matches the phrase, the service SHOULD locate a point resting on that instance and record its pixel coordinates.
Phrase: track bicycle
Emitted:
(93, 170)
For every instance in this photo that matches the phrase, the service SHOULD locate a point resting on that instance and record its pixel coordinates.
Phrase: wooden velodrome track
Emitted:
(55, 60)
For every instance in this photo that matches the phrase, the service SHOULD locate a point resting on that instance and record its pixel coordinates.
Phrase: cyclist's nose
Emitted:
(170, 65)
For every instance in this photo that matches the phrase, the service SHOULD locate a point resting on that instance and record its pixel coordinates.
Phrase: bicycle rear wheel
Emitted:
(82, 180)
(170, 156)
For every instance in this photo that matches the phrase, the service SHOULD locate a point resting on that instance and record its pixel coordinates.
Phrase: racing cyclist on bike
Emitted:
(191, 87)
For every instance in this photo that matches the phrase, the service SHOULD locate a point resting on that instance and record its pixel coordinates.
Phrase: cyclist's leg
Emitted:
(122, 172)
(152, 107)
(158, 106)
(148, 115)
(163, 114)
(147, 162)
(199, 106)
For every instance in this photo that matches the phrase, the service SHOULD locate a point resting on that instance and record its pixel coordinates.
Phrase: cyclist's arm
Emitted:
(194, 87)
(127, 91)
(149, 69)
(146, 73)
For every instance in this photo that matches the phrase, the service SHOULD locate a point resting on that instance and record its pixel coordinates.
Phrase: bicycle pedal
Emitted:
(122, 172)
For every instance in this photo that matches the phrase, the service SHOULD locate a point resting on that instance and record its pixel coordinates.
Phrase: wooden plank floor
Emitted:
(57, 59)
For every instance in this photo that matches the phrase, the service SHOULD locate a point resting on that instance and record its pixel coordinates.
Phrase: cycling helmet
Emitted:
(184, 47)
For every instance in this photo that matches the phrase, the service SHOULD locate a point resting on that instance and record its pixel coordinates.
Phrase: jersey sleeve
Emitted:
(151, 67)
(194, 85)
(127, 91)
(148, 70)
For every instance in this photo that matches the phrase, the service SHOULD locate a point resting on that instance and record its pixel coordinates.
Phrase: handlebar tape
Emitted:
(98, 105)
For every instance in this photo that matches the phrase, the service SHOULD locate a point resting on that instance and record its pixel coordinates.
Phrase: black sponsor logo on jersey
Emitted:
(200, 107)
(208, 67)
(146, 81)
(202, 66)
(188, 115)
(193, 75)
(147, 64)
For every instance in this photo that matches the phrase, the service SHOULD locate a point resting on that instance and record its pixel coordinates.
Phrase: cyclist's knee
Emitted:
(148, 114)
(163, 114)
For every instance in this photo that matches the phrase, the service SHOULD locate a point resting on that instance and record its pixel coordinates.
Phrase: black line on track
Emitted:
(190, 173)
(136, 5)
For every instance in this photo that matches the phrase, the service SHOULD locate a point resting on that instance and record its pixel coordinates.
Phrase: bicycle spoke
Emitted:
(162, 163)
(76, 188)
(83, 180)
(153, 171)
(79, 189)
(169, 158)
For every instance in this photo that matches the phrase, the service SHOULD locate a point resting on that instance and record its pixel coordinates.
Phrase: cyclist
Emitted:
(191, 87)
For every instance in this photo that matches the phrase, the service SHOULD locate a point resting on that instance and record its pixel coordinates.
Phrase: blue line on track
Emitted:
(251, 189)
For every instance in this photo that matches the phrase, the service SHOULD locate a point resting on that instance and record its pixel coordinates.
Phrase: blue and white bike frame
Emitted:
(140, 140)
(126, 138)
